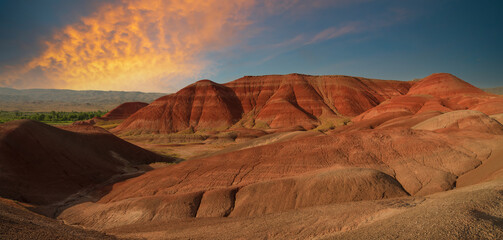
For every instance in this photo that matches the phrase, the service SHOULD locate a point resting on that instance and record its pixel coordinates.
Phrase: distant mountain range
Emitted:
(496, 90)
(45, 100)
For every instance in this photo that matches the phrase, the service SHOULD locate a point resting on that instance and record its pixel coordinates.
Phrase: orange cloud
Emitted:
(138, 44)
(147, 45)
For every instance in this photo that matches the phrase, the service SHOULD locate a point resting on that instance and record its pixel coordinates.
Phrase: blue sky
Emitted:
(384, 39)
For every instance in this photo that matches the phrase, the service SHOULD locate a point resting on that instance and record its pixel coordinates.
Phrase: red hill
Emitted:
(443, 85)
(204, 104)
(441, 92)
(276, 101)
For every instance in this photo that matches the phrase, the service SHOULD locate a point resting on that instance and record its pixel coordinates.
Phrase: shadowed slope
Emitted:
(42, 164)
(16, 222)
(124, 110)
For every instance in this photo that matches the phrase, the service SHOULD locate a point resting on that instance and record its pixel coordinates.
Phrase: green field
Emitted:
(52, 117)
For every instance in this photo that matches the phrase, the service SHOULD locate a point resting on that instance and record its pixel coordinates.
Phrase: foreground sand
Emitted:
(471, 212)
(468, 212)
(16, 222)
(474, 212)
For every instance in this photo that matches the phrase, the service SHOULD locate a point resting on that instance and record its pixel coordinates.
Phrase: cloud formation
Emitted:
(334, 32)
(148, 45)
(136, 44)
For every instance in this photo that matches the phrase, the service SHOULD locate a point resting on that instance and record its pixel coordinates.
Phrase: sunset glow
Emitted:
(139, 44)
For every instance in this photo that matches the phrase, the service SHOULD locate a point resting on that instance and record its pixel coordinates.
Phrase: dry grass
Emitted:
(328, 124)
(108, 124)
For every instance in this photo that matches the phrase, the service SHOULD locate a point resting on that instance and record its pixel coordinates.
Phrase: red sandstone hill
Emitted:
(276, 101)
(443, 85)
(42, 164)
(204, 104)
(441, 92)
(303, 101)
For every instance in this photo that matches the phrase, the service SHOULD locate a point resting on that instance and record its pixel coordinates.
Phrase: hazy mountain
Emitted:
(496, 90)
(41, 100)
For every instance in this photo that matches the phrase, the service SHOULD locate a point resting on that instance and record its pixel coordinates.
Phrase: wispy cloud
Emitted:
(334, 32)
(301, 40)
(391, 17)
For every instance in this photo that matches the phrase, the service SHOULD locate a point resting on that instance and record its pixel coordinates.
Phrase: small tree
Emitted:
(41, 117)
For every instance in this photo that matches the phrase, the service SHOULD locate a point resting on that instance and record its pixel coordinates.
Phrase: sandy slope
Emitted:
(492, 168)
(282, 176)
(16, 222)
(474, 212)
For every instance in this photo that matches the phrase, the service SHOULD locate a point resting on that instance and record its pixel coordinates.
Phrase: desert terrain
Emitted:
(265, 157)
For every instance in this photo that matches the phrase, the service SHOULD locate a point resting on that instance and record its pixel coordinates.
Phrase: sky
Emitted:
(164, 45)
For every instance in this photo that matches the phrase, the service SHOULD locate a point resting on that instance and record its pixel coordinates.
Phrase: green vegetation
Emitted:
(49, 117)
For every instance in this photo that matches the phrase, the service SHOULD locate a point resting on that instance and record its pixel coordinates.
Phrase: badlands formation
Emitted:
(268, 157)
